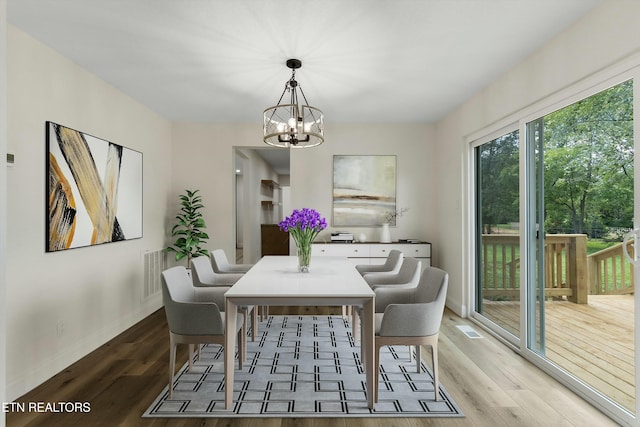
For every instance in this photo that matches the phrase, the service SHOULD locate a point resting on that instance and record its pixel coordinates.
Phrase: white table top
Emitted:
(278, 276)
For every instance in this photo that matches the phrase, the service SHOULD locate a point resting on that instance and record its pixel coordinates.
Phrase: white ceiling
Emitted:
(363, 60)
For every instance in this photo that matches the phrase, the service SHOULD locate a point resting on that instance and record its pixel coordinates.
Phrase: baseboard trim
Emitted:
(57, 362)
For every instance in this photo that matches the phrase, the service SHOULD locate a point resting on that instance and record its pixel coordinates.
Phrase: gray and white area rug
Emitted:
(303, 366)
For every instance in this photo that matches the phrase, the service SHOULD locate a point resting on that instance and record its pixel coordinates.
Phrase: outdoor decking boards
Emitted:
(593, 341)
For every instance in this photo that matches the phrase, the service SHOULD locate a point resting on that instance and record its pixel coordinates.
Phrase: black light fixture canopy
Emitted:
(293, 125)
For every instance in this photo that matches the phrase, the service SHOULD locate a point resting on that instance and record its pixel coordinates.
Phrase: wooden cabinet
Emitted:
(373, 253)
(273, 240)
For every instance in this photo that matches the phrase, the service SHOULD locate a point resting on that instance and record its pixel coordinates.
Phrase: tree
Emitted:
(498, 170)
(588, 148)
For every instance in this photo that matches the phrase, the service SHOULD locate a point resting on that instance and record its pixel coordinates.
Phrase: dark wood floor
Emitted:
(493, 385)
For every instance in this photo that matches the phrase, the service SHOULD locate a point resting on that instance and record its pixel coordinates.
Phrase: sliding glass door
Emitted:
(497, 231)
(580, 297)
(554, 197)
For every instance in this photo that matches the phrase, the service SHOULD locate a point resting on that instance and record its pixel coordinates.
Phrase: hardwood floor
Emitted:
(493, 386)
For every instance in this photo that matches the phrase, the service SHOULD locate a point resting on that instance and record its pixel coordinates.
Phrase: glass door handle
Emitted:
(630, 240)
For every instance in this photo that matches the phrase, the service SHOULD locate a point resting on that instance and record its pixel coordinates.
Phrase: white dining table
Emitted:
(275, 280)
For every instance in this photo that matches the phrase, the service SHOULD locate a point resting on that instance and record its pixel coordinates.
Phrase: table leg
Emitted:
(367, 337)
(231, 312)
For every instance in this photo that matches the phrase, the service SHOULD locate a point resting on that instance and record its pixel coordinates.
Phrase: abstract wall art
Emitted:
(364, 190)
(93, 190)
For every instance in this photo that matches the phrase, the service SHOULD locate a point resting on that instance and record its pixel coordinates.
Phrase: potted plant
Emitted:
(188, 230)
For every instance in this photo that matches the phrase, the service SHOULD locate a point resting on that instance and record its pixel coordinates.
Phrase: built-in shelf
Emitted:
(270, 183)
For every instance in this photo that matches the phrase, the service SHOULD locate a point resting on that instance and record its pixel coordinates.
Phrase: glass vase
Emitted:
(304, 258)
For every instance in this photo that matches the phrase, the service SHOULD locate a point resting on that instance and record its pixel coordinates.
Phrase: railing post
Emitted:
(593, 276)
(580, 283)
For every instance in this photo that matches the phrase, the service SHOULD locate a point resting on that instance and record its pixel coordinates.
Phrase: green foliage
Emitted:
(498, 164)
(188, 228)
(588, 168)
(588, 162)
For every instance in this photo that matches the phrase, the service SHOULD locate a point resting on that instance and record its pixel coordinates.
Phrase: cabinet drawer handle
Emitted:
(355, 250)
(384, 250)
(322, 250)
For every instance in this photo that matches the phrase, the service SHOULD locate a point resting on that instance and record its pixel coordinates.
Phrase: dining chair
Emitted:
(407, 276)
(412, 316)
(211, 286)
(391, 264)
(221, 265)
(192, 322)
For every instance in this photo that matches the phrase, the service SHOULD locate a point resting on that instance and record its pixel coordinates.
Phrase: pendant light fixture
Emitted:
(293, 125)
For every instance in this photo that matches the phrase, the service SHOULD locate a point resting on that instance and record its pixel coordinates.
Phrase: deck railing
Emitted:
(610, 273)
(565, 266)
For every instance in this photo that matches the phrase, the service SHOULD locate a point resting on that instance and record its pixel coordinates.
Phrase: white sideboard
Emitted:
(373, 253)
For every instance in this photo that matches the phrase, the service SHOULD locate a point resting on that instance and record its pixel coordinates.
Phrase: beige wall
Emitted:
(211, 169)
(605, 36)
(94, 293)
(413, 144)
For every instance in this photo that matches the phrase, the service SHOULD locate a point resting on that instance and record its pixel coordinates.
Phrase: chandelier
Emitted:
(293, 125)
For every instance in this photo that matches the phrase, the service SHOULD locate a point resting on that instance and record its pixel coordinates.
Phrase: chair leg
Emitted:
(264, 312)
(245, 313)
(241, 348)
(362, 353)
(172, 365)
(354, 324)
(191, 353)
(376, 373)
(434, 359)
(254, 322)
(411, 353)
(418, 357)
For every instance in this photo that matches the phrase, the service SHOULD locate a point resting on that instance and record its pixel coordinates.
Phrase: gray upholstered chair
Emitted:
(208, 283)
(391, 265)
(406, 277)
(210, 286)
(221, 265)
(412, 317)
(192, 322)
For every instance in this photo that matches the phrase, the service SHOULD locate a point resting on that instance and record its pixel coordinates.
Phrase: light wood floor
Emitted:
(593, 341)
(493, 386)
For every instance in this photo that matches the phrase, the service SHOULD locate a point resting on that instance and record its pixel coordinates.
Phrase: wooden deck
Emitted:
(594, 341)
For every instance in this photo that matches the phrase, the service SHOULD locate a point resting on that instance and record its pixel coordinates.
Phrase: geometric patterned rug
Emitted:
(303, 366)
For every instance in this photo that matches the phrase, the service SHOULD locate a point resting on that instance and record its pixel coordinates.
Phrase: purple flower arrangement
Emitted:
(304, 225)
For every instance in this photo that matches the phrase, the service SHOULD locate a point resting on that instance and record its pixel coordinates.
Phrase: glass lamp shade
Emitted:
(293, 126)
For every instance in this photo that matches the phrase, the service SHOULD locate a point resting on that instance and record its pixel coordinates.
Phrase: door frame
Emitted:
(615, 74)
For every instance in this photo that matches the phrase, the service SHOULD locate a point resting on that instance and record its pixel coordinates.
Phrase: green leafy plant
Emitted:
(188, 230)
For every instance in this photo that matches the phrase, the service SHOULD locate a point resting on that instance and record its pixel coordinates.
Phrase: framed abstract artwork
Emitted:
(93, 190)
(364, 190)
